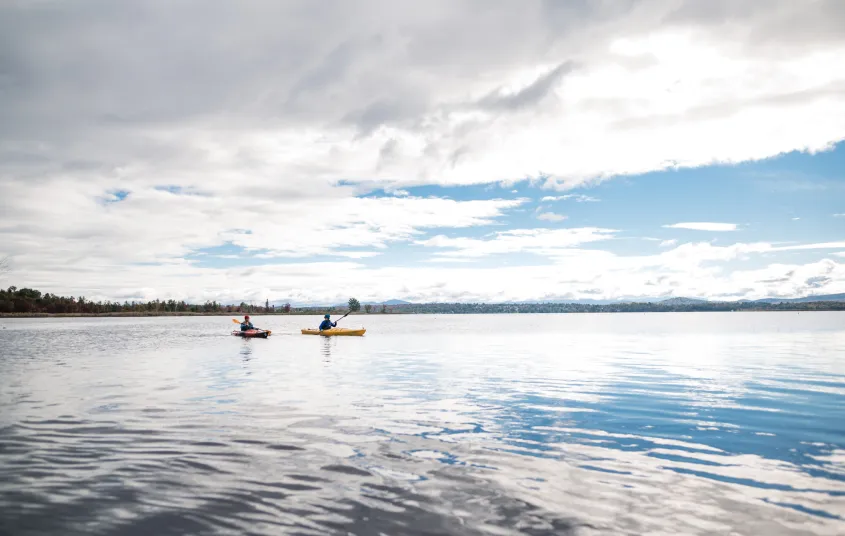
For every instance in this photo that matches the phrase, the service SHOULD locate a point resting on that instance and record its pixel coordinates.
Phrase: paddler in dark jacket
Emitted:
(246, 324)
(327, 324)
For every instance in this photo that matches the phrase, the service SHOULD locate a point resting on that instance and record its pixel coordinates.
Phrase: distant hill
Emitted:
(698, 301)
(388, 302)
(807, 299)
(668, 302)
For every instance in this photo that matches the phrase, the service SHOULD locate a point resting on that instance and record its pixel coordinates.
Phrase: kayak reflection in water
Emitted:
(327, 324)
(246, 324)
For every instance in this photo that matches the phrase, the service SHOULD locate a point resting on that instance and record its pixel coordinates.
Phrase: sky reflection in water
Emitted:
(541, 424)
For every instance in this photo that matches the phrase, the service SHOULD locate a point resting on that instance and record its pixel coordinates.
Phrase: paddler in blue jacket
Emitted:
(246, 325)
(327, 324)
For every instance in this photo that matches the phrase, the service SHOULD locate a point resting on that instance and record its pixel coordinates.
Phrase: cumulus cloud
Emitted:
(139, 133)
(433, 93)
(668, 243)
(798, 247)
(550, 216)
(580, 198)
(538, 241)
(575, 273)
(703, 226)
(150, 225)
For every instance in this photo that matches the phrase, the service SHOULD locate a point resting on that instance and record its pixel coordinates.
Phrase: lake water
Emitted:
(688, 423)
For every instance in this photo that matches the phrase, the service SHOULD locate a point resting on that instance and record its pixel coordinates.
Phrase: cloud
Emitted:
(550, 216)
(795, 219)
(580, 198)
(703, 226)
(529, 96)
(839, 215)
(668, 243)
(151, 226)
(342, 93)
(688, 270)
(537, 241)
(134, 135)
(799, 247)
(356, 254)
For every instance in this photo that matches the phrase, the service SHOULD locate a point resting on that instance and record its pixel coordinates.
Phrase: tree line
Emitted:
(30, 301)
(27, 300)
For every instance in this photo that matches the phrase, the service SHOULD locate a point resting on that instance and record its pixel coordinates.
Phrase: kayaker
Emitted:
(327, 324)
(246, 325)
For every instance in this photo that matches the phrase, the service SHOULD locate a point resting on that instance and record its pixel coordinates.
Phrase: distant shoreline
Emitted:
(839, 307)
(154, 313)
(32, 303)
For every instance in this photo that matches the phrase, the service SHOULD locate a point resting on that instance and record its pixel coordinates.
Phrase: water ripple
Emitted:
(589, 426)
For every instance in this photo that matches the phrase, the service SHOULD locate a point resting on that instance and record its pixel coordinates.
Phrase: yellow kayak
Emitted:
(335, 331)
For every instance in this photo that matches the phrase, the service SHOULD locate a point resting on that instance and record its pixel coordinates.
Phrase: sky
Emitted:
(306, 152)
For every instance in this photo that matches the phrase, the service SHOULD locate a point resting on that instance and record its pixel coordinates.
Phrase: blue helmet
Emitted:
(328, 316)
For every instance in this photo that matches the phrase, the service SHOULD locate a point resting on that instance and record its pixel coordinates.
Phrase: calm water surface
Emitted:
(523, 424)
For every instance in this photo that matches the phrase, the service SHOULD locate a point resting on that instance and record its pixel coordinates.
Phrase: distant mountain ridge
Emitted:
(807, 299)
(674, 301)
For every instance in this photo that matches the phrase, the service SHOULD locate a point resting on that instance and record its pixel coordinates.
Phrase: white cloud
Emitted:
(449, 260)
(365, 222)
(703, 226)
(689, 270)
(538, 241)
(668, 243)
(357, 254)
(449, 99)
(580, 198)
(550, 216)
(839, 215)
(273, 151)
(795, 219)
(820, 245)
(155, 226)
